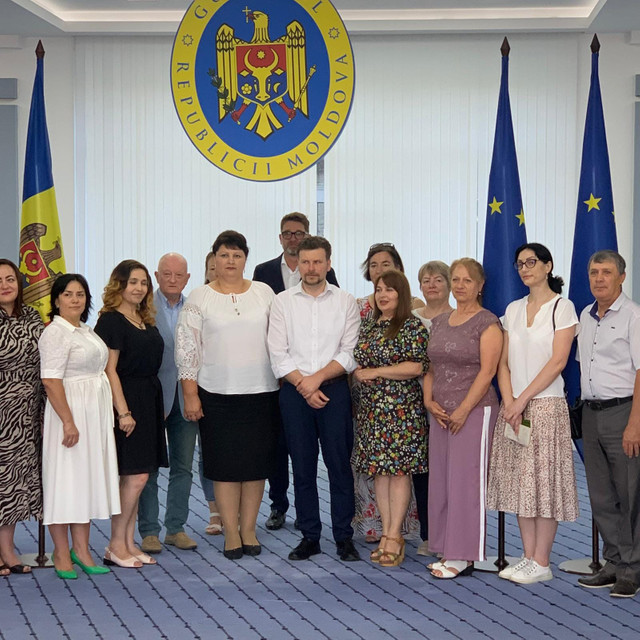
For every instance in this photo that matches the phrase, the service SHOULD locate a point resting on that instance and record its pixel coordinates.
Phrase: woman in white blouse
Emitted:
(534, 477)
(79, 464)
(223, 363)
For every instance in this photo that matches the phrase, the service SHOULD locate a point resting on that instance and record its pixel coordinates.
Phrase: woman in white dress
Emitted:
(535, 480)
(79, 465)
(228, 384)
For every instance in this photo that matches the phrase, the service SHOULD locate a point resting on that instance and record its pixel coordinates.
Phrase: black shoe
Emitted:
(598, 580)
(233, 554)
(275, 520)
(346, 550)
(251, 549)
(624, 588)
(305, 550)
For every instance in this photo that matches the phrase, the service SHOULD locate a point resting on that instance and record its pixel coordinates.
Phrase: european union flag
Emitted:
(595, 222)
(505, 229)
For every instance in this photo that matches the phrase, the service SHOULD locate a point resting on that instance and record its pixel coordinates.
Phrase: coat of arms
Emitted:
(262, 72)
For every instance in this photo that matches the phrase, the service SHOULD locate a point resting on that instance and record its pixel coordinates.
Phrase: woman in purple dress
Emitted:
(464, 349)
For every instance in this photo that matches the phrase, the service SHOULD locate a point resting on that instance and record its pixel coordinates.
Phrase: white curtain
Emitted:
(411, 166)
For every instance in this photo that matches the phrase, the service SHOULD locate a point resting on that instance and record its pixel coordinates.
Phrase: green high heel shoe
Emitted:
(90, 571)
(67, 575)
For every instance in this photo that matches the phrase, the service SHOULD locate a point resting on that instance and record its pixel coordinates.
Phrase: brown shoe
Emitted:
(151, 544)
(181, 540)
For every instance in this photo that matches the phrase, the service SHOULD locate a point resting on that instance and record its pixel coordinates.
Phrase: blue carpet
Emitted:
(200, 594)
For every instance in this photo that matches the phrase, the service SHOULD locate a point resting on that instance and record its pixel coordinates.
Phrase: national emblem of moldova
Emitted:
(264, 91)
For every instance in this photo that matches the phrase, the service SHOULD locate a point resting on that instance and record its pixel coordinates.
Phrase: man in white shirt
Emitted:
(172, 276)
(609, 354)
(313, 328)
(280, 274)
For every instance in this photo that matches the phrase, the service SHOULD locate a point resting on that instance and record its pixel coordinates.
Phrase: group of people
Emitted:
(397, 393)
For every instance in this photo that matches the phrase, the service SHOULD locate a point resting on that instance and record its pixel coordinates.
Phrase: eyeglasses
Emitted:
(298, 234)
(529, 263)
(381, 246)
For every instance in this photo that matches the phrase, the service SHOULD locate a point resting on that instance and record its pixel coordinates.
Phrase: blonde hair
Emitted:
(435, 268)
(112, 296)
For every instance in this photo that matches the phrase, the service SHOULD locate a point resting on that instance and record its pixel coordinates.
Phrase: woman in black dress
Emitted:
(21, 403)
(127, 326)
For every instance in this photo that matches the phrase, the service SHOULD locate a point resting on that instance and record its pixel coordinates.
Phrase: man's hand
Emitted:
(308, 385)
(631, 439)
(317, 400)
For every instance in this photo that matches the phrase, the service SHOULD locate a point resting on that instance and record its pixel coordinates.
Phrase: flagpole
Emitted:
(38, 560)
(504, 234)
(596, 176)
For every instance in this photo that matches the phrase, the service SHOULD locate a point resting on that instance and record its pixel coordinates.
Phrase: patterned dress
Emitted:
(367, 521)
(391, 418)
(21, 405)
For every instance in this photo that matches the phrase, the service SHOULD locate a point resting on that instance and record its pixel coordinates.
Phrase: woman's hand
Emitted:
(513, 412)
(71, 435)
(192, 407)
(366, 376)
(127, 424)
(457, 419)
(441, 416)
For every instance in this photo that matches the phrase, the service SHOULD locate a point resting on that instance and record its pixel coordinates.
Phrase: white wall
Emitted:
(411, 167)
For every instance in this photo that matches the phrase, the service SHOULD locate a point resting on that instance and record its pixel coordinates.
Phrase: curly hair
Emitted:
(118, 281)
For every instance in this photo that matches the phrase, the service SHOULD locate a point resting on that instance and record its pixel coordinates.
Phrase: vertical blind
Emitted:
(411, 166)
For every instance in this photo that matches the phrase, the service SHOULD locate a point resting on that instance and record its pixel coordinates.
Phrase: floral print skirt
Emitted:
(536, 480)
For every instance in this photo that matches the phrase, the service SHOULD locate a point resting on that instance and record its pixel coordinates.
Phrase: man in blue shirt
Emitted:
(172, 277)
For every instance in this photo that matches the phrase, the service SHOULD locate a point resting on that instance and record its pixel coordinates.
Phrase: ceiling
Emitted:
(155, 17)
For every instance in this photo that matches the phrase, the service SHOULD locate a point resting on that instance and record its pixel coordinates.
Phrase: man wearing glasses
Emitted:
(280, 274)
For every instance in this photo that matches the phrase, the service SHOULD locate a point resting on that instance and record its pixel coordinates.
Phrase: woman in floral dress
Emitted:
(381, 257)
(392, 423)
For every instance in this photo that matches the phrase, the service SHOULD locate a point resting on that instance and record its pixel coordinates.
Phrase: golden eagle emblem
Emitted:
(262, 73)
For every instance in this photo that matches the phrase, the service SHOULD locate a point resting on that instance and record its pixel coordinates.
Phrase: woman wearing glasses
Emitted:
(534, 479)
(381, 257)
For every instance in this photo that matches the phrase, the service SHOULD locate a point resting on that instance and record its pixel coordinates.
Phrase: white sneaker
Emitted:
(508, 571)
(531, 573)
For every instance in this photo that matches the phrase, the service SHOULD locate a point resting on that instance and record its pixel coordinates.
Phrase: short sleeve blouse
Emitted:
(69, 352)
(530, 348)
(454, 352)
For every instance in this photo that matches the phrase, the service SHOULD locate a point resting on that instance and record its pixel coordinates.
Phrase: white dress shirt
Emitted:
(609, 350)
(306, 332)
(290, 278)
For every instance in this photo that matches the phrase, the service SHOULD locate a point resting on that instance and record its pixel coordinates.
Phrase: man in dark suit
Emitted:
(280, 274)
(172, 276)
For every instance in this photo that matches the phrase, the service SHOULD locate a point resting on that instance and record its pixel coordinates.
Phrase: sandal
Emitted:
(145, 558)
(376, 554)
(213, 528)
(111, 560)
(452, 569)
(435, 565)
(20, 569)
(391, 559)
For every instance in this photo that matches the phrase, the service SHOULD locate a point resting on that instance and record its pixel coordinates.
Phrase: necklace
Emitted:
(234, 302)
(138, 323)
